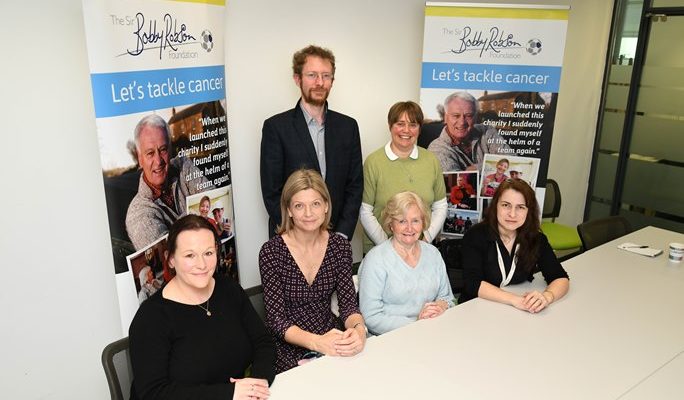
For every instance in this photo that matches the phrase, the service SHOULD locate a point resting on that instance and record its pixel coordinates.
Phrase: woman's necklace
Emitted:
(507, 240)
(205, 308)
(192, 298)
(307, 257)
(400, 159)
(406, 170)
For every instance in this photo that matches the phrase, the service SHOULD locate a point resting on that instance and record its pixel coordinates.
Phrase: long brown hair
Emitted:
(528, 233)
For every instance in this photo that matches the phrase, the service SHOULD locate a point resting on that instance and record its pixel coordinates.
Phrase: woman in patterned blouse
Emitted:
(300, 269)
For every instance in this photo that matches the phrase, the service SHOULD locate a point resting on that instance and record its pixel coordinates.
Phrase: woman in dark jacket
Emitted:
(508, 248)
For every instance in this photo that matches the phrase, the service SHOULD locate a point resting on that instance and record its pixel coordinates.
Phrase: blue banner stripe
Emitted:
(124, 93)
(523, 78)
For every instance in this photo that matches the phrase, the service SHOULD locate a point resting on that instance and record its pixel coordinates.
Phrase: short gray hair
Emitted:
(463, 96)
(155, 121)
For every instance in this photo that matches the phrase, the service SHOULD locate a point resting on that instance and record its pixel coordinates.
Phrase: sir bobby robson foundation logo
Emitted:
(495, 43)
(168, 36)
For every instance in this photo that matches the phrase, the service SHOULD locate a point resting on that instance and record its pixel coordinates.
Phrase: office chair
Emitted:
(110, 351)
(599, 231)
(450, 249)
(561, 237)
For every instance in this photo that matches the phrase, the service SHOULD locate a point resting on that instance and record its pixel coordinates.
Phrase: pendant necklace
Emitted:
(406, 170)
(205, 308)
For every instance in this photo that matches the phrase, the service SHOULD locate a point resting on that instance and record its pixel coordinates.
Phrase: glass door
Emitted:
(638, 165)
(622, 54)
(653, 186)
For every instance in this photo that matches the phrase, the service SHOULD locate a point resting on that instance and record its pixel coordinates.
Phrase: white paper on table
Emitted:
(637, 248)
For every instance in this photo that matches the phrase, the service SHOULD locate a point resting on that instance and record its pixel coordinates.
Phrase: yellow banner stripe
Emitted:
(212, 2)
(487, 12)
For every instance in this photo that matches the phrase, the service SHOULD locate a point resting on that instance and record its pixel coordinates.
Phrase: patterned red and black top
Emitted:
(289, 299)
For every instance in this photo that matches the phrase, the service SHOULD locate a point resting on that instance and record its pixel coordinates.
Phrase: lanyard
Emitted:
(506, 279)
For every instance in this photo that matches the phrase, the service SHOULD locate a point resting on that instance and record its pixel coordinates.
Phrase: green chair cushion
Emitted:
(561, 237)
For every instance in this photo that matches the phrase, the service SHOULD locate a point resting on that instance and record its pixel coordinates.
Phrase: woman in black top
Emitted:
(195, 338)
(508, 248)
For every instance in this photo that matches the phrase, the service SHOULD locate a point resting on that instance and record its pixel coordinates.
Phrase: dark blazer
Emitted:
(286, 146)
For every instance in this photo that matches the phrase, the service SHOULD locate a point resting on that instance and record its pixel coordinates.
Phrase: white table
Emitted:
(664, 384)
(617, 333)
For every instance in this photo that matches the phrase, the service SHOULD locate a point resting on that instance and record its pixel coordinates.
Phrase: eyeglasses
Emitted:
(313, 76)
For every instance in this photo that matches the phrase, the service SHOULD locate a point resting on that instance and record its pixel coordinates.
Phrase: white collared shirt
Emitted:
(390, 154)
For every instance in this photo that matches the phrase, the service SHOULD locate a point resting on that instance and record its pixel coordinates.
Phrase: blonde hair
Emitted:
(398, 205)
(302, 179)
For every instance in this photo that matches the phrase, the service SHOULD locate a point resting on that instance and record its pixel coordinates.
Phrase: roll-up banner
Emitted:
(489, 89)
(158, 82)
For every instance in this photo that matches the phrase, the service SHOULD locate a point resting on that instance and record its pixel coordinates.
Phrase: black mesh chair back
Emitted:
(450, 250)
(599, 231)
(552, 200)
(115, 358)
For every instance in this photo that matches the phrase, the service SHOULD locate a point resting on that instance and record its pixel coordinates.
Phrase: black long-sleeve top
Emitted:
(480, 261)
(178, 352)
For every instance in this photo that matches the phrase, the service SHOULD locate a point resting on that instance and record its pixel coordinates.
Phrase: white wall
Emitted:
(378, 46)
(378, 50)
(578, 102)
(57, 292)
(58, 297)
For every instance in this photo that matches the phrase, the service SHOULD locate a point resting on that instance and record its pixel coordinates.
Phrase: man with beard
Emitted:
(312, 136)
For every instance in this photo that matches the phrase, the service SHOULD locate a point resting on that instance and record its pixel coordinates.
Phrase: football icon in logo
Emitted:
(534, 46)
(207, 40)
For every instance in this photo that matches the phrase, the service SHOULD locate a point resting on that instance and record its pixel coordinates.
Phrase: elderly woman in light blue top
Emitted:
(403, 279)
